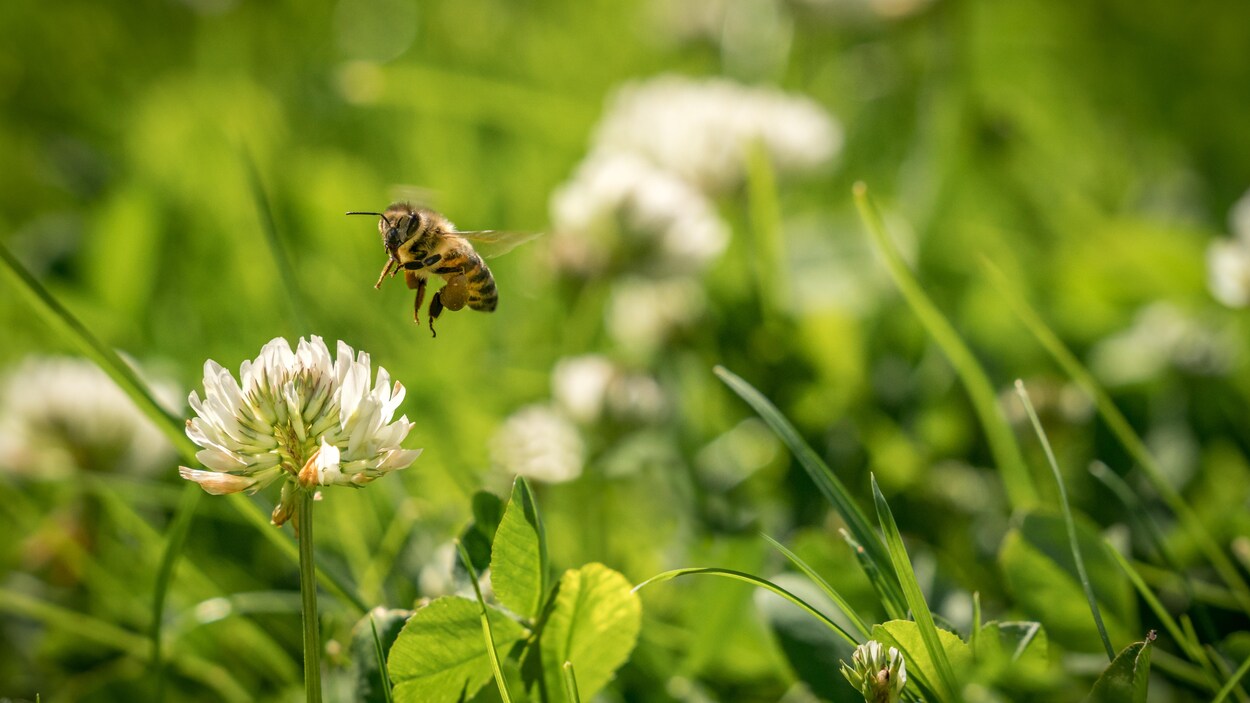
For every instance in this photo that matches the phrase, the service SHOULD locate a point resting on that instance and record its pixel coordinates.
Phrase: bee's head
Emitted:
(396, 225)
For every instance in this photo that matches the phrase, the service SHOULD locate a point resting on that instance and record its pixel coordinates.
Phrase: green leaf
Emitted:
(371, 686)
(594, 623)
(440, 653)
(1036, 561)
(1126, 678)
(518, 563)
(909, 638)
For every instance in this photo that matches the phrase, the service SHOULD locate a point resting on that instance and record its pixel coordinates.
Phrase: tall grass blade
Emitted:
(1189, 645)
(177, 536)
(487, 633)
(570, 684)
(1002, 441)
(1232, 682)
(1068, 521)
(381, 655)
(949, 688)
(893, 603)
(1148, 527)
(1124, 432)
(820, 473)
(754, 581)
(767, 255)
(816, 578)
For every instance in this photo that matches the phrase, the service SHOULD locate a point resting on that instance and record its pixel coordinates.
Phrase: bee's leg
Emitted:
(418, 282)
(436, 309)
(385, 270)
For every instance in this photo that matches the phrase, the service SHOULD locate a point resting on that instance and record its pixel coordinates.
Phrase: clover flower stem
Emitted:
(308, 596)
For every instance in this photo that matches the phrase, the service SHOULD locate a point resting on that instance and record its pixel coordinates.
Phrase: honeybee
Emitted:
(422, 242)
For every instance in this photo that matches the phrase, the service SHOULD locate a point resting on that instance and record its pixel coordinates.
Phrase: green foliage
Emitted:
(440, 655)
(1038, 567)
(954, 655)
(1127, 678)
(518, 563)
(175, 177)
(593, 623)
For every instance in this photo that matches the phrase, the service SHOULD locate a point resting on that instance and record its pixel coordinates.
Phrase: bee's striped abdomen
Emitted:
(483, 295)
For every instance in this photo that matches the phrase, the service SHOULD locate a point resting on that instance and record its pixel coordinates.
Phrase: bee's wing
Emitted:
(490, 243)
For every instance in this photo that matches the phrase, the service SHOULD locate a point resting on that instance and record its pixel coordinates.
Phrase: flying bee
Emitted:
(422, 242)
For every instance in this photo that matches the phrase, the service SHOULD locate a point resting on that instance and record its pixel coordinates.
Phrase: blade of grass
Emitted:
(570, 683)
(1002, 441)
(1147, 526)
(1068, 521)
(1124, 432)
(820, 473)
(754, 581)
(177, 536)
(816, 578)
(381, 655)
(1233, 681)
(894, 605)
(767, 255)
(1191, 647)
(489, 636)
(281, 258)
(949, 689)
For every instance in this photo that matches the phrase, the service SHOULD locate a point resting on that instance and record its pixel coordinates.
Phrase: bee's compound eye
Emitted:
(414, 221)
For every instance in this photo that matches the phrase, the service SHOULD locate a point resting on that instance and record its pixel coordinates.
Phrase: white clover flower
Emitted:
(878, 674)
(1228, 260)
(298, 415)
(619, 204)
(642, 314)
(539, 443)
(591, 386)
(1228, 272)
(1162, 335)
(62, 413)
(701, 129)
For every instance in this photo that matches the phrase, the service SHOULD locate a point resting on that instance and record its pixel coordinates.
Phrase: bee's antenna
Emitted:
(388, 222)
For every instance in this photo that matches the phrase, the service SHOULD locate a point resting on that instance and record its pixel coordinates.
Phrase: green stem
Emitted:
(308, 594)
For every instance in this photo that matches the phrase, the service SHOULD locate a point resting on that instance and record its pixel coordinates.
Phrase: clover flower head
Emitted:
(700, 129)
(539, 443)
(300, 415)
(620, 201)
(879, 674)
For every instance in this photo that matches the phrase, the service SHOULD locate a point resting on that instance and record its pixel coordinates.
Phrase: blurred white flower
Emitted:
(620, 203)
(589, 387)
(539, 443)
(1228, 272)
(1228, 260)
(643, 313)
(58, 413)
(701, 129)
(299, 415)
(877, 673)
(1161, 335)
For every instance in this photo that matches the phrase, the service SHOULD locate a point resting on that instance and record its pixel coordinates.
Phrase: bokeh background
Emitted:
(690, 165)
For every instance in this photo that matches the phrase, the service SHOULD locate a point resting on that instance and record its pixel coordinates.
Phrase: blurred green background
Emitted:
(1092, 151)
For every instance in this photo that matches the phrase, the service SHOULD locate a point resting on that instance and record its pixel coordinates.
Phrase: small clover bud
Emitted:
(878, 674)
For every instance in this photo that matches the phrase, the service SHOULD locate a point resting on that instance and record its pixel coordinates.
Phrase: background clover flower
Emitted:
(298, 414)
